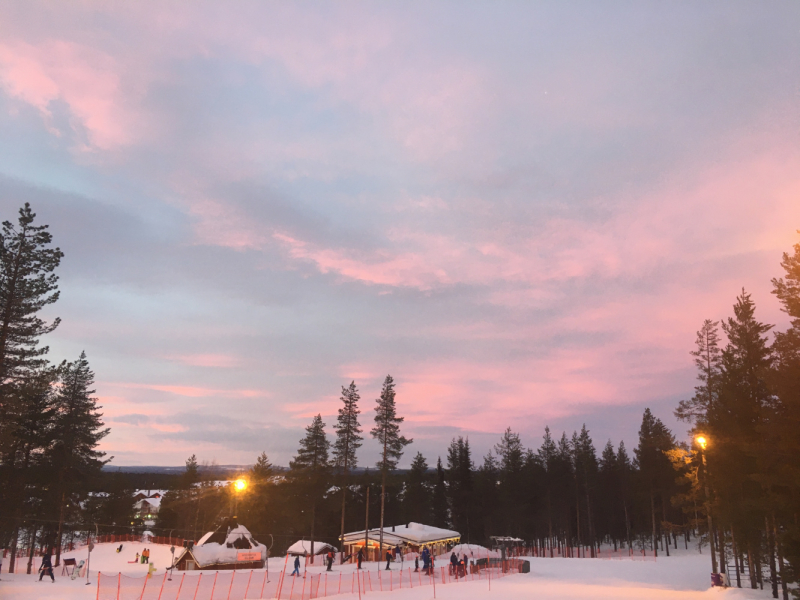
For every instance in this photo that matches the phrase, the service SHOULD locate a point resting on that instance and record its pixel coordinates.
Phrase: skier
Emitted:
(426, 560)
(296, 571)
(360, 556)
(330, 560)
(388, 559)
(454, 564)
(47, 567)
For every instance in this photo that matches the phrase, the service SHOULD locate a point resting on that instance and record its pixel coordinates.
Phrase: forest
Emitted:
(734, 489)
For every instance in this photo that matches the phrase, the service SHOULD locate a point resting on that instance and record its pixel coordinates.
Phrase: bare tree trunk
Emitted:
(32, 546)
(736, 560)
(60, 529)
(383, 501)
(773, 572)
(653, 516)
(14, 539)
(784, 587)
(366, 528)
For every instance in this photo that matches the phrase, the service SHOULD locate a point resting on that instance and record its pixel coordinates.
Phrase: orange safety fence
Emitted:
(241, 585)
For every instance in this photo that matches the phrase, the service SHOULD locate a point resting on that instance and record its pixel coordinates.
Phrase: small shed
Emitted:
(229, 547)
(303, 548)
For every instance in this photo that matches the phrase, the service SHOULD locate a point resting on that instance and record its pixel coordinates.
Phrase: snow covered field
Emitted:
(681, 577)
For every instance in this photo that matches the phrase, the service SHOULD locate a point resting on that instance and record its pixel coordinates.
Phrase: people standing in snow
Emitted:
(416, 564)
(454, 564)
(388, 559)
(466, 564)
(296, 571)
(330, 560)
(47, 567)
(360, 557)
(426, 560)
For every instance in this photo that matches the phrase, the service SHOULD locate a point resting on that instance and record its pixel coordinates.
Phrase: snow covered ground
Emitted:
(681, 577)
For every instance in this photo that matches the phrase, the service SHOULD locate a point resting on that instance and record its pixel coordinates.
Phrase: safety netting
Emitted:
(252, 585)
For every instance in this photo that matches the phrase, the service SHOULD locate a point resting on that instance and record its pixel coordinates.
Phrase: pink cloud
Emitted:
(191, 391)
(85, 78)
(206, 360)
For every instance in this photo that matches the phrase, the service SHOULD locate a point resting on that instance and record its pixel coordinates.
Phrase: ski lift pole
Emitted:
(90, 547)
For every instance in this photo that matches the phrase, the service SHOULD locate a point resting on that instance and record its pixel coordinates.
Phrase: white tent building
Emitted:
(410, 537)
(230, 546)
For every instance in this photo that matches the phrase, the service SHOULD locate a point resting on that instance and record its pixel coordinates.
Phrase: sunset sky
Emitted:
(523, 211)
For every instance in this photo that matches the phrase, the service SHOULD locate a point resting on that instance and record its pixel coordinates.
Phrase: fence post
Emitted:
(230, 587)
(247, 589)
(144, 587)
(263, 583)
(163, 581)
(283, 576)
(199, 579)
(214, 584)
(119, 581)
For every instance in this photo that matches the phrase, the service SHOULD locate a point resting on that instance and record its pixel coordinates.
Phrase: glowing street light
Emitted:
(702, 441)
(239, 487)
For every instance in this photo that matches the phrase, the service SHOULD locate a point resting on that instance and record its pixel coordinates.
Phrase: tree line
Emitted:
(735, 487)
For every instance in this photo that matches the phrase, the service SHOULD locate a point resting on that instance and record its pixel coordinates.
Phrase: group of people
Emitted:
(458, 567)
(144, 558)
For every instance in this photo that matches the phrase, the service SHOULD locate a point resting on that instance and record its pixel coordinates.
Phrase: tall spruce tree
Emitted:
(310, 467)
(707, 359)
(655, 468)
(417, 506)
(780, 440)
(387, 432)
(78, 429)
(27, 284)
(348, 440)
(440, 512)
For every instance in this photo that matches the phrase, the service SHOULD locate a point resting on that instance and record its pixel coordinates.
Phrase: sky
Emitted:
(521, 211)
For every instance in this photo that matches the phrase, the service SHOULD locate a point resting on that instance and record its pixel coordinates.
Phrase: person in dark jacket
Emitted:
(296, 571)
(330, 560)
(389, 559)
(47, 567)
(360, 557)
(454, 564)
(416, 564)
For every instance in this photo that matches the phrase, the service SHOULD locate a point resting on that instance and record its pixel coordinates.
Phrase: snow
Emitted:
(416, 533)
(684, 576)
(304, 547)
(212, 553)
(472, 551)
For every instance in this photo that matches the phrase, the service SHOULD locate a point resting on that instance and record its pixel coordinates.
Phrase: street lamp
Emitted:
(239, 487)
(702, 441)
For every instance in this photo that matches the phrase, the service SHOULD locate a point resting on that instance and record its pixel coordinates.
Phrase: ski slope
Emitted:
(681, 577)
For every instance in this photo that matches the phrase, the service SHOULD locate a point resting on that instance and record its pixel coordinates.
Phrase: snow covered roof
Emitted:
(152, 502)
(414, 533)
(224, 545)
(473, 551)
(304, 547)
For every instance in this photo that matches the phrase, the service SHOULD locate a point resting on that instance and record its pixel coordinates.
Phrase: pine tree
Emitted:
(192, 473)
(655, 468)
(387, 432)
(78, 430)
(460, 485)
(27, 284)
(262, 470)
(348, 439)
(310, 467)
(707, 359)
(416, 501)
(440, 513)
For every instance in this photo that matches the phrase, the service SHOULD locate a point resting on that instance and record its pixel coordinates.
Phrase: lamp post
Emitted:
(702, 441)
